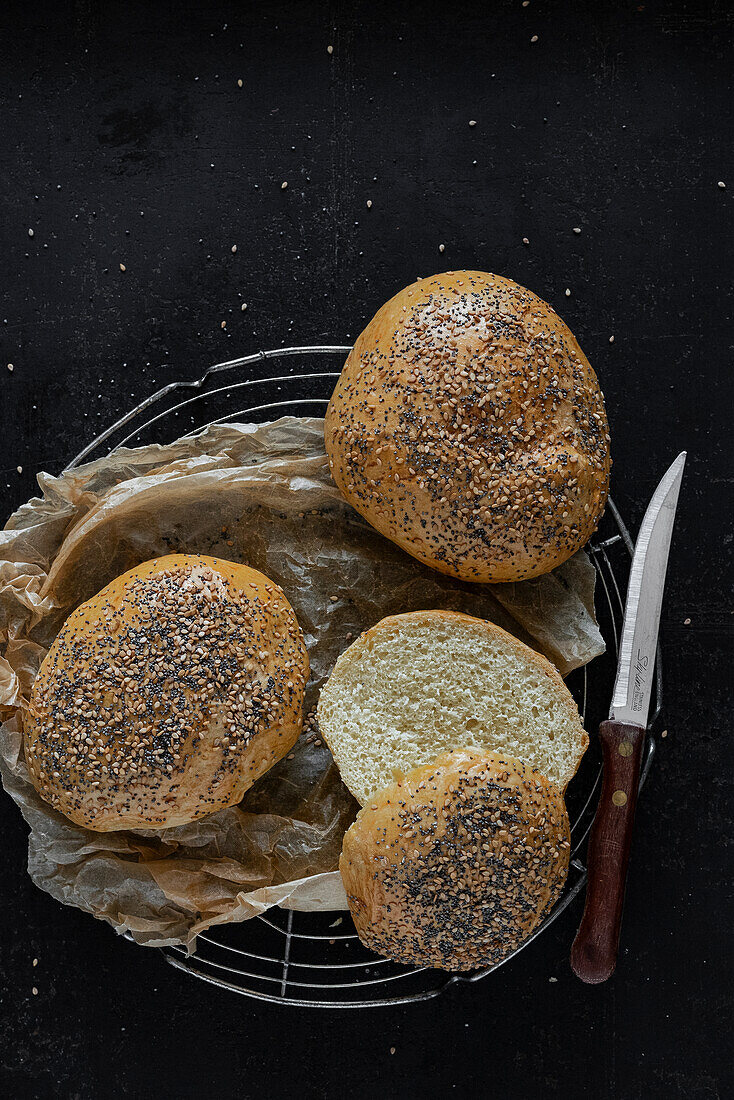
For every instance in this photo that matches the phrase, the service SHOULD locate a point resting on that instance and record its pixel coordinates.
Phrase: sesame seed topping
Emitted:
(455, 434)
(139, 676)
(456, 863)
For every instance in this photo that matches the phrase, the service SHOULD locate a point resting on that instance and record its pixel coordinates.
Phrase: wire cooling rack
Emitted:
(316, 960)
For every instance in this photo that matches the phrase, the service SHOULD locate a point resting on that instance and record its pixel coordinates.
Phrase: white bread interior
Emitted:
(420, 684)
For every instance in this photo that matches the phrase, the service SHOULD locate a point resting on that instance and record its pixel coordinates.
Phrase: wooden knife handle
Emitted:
(594, 951)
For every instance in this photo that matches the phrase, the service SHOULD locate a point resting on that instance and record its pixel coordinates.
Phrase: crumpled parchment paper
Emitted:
(262, 495)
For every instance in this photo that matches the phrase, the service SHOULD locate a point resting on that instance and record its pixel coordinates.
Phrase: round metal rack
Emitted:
(316, 959)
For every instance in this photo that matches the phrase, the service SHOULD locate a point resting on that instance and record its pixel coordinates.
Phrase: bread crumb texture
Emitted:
(456, 864)
(468, 427)
(418, 684)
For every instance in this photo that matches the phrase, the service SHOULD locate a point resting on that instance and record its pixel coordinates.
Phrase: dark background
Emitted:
(126, 139)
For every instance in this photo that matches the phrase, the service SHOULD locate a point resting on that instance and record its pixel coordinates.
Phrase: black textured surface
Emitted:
(126, 140)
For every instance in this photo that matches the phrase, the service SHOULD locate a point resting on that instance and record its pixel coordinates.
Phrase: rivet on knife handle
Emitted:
(594, 951)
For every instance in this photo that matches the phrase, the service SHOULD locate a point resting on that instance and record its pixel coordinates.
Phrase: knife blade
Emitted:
(594, 951)
(633, 685)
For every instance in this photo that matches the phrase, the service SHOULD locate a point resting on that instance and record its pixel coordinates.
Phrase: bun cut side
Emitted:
(166, 696)
(456, 864)
(468, 427)
(418, 684)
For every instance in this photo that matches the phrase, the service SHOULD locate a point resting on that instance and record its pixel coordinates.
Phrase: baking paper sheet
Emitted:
(262, 495)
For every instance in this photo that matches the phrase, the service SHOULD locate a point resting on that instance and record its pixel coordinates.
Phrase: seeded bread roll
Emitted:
(455, 864)
(417, 684)
(468, 427)
(166, 696)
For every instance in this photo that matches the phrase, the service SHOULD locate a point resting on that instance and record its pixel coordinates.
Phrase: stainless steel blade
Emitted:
(632, 688)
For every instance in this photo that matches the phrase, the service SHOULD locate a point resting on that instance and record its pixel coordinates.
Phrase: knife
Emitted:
(594, 951)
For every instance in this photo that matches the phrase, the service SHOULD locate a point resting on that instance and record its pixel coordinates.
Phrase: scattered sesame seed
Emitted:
(234, 248)
(553, 979)
(239, 83)
(534, 38)
(19, 469)
(11, 367)
(722, 185)
(577, 229)
(35, 962)
(34, 991)
(441, 247)
(611, 339)
(122, 267)
(392, 1050)
(369, 204)
(31, 233)
(283, 185)
(243, 307)
(568, 292)
(329, 49)
(472, 122)
(222, 324)
(686, 622)
(525, 240)
(664, 733)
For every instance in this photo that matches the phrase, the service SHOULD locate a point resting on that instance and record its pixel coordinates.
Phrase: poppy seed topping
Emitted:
(455, 864)
(468, 427)
(166, 696)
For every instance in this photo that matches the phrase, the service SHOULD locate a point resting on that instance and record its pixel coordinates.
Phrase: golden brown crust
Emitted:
(454, 865)
(167, 695)
(468, 427)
